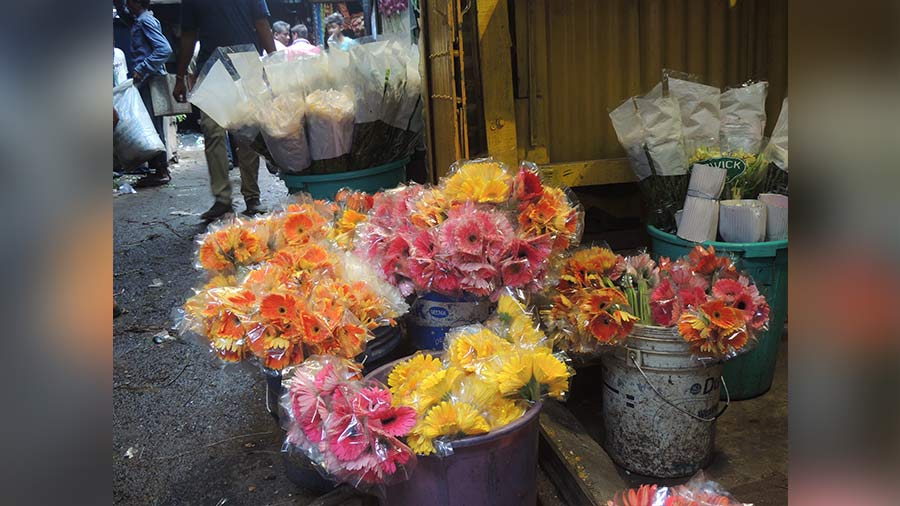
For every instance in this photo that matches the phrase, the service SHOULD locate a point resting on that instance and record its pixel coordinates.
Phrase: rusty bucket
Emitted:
(497, 469)
(660, 404)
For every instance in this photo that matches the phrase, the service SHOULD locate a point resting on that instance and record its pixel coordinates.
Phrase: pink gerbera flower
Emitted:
(347, 438)
(664, 305)
(692, 296)
(395, 421)
(372, 401)
(478, 278)
(468, 237)
(446, 278)
(516, 272)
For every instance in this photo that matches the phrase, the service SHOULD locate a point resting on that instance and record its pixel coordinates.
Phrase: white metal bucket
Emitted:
(660, 404)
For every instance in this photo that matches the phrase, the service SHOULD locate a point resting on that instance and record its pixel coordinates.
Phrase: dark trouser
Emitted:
(214, 141)
(158, 163)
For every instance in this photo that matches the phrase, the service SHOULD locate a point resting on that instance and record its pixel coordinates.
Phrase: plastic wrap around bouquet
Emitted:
(682, 122)
(587, 311)
(348, 427)
(486, 378)
(279, 291)
(717, 309)
(481, 229)
(699, 491)
(601, 296)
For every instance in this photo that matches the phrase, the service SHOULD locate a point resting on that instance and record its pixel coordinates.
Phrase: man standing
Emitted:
(150, 50)
(301, 45)
(223, 23)
(335, 26)
(282, 33)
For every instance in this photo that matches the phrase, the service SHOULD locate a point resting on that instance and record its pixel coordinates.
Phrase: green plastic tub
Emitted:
(325, 186)
(751, 374)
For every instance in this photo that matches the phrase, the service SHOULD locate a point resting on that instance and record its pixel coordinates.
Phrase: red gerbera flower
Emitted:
(528, 185)
(703, 260)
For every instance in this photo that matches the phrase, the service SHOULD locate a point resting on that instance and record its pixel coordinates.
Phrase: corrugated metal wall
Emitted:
(599, 52)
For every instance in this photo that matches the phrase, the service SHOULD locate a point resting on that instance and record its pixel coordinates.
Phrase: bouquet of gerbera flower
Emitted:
(699, 491)
(717, 309)
(301, 297)
(586, 308)
(487, 378)
(347, 426)
(480, 230)
(639, 278)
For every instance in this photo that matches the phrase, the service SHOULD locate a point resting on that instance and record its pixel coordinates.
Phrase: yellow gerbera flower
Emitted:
(470, 350)
(524, 333)
(454, 419)
(513, 375)
(510, 307)
(477, 392)
(420, 444)
(504, 411)
(551, 373)
(400, 374)
(481, 181)
(432, 389)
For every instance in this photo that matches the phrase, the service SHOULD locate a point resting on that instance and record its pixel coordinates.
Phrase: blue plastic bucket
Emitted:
(750, 374)
(432, 315)
(325, 186)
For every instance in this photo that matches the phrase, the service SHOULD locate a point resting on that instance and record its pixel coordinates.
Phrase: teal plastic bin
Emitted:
(325, 186)
(751, 374)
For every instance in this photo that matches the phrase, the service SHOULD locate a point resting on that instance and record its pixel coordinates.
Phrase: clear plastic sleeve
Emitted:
(283, 123)
(586, 309)
(226, 84)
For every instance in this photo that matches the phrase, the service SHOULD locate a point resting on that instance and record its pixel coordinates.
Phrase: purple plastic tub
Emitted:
(497, 469)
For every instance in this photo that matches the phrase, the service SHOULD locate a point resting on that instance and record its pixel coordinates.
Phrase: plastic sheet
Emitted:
(630, 133)
(135, 140)
(282, 121)
(661, 121)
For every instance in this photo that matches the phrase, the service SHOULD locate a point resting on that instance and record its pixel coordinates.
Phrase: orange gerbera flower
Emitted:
(297, 227)
(693, 327)
(722, 315)
(602, 299)
(211, 256)
(226, 324)
(313, 257)
(314, 330)
(351, 338)
(732, 340)
(279, 307)
(703, 261)
(605, 328)
(248, 247)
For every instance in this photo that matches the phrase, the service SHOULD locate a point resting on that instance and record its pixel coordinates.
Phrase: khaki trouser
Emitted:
(217, 161)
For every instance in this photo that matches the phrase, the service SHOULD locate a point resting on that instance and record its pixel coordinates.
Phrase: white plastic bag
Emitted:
(700, 109)
(329, 117)
(743, 118)
(661, 119)
(135, 140)
(628, 129)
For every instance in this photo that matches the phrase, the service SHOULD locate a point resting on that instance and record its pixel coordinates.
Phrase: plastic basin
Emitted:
(325, 186)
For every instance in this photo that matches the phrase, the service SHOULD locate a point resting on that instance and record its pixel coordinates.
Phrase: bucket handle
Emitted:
(633, 357)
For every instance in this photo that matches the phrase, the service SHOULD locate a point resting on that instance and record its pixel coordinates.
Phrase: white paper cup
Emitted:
(706, 181)
(742, 220)
(699, 220)
(776, 215)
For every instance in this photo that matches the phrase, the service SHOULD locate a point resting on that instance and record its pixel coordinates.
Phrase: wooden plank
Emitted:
(587, 173)
(581, 470)
(496, 83)
(538, 97)
(523, 71)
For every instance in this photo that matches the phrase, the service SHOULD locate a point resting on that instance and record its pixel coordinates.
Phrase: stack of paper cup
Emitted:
(700, 217)
(776, 215)
(742, 220)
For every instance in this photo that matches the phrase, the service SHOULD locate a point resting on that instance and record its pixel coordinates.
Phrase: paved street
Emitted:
(185, 431)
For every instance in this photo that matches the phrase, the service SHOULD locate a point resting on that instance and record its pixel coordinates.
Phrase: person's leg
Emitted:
(159, 165)
(217, 163)
(248, 162)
